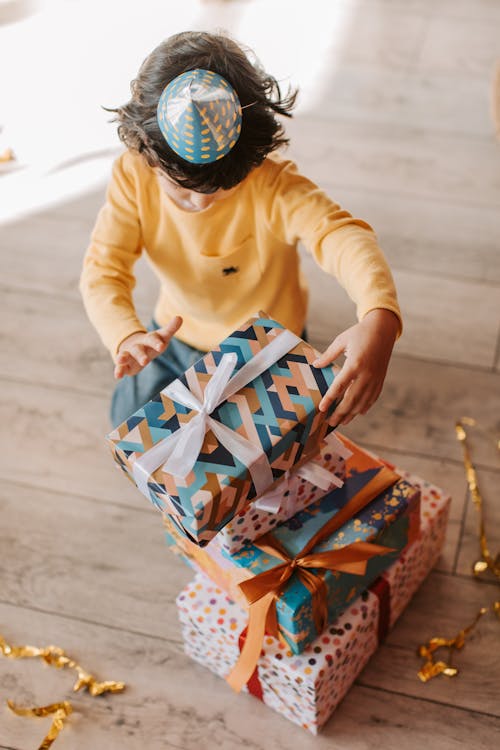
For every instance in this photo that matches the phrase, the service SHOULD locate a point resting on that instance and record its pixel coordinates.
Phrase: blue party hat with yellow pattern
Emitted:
(199, 115)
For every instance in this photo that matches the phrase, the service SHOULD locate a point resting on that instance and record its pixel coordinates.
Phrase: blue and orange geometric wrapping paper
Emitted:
(392, 519)
(278, 411)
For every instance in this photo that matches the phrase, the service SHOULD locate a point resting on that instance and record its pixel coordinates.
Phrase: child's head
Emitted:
(259, 95)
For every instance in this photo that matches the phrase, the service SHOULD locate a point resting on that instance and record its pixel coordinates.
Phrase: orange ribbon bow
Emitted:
(264, 589)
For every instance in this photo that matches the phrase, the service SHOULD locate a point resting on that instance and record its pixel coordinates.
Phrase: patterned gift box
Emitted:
(307, 688)
(391, 519)
(274, 414)
(300, 492)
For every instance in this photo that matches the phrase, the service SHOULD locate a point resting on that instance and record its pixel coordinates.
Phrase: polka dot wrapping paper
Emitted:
(252, 522)
(391, 519)
(307, 688)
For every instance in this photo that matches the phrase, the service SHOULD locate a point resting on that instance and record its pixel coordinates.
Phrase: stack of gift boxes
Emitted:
(306, 548)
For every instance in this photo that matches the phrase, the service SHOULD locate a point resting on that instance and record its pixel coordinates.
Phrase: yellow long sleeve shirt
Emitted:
(219, 266)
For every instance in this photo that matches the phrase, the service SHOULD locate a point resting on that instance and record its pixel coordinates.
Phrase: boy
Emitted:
(219, 216)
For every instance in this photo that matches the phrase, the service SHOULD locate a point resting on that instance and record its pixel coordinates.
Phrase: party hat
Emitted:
(199, 115)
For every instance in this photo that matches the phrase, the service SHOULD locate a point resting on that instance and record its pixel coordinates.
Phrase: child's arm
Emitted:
(346, 248)
(107, 279)
(367, 347)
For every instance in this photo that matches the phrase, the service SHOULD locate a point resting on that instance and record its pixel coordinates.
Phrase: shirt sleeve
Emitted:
(107, 278)
(342, 245)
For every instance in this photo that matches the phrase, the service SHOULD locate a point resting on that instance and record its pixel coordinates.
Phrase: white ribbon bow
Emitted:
(178, 452)
(275, 500)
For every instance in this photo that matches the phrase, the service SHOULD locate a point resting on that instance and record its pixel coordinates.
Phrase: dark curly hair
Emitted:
(259, 94)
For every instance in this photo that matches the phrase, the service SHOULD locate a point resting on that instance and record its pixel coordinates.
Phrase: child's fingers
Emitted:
(139, 353)
(358, 399)
(336, 348)
(337, 388)
(123, 357)
(122, 369)
(156, 343)
(346, 410)
(122, 364)
(370, 399)
(166, 332)
(135, 356)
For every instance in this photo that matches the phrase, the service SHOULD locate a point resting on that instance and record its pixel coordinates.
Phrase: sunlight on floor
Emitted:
(67, 59)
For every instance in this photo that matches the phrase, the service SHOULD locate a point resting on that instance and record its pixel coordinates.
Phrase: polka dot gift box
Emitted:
(388, 519)
(294, 493)
(307, 688)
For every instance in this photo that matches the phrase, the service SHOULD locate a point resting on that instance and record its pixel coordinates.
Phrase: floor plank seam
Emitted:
(435, 198)
(56, 386)
(441, 275)
(443, 362)
(466, 577)
(427, 700)
(396, 129)
(427, 456)
(84, 620)
(139, 508)
(463, 576)
(42, 291)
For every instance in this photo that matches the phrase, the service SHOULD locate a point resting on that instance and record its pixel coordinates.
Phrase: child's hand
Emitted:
(137, 350)
(367, 347)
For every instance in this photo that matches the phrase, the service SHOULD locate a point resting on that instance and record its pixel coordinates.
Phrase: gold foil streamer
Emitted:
(60, 711)
(56, 657)
(486, 563)
(433, 668)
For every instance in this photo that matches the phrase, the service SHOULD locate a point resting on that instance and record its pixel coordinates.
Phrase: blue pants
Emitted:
(132, 392)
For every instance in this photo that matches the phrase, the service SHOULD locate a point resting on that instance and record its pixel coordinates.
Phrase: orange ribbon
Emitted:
(264, 589)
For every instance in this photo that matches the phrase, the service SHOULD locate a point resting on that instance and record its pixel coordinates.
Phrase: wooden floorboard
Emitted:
(175, 703)
(395, 124)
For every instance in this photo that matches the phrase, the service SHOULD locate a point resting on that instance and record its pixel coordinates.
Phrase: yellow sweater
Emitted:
(219, 266)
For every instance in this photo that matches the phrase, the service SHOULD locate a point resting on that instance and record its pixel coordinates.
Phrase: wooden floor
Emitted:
(398, 129)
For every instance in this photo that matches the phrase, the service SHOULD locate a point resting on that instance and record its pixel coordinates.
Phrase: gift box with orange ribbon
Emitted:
(226, 431)
(307, 688)
(297, 489)
(298, 577)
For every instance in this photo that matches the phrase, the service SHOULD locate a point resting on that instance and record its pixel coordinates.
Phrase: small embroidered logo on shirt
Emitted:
(230, 269)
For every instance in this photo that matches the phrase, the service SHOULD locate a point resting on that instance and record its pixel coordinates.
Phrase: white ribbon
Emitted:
(337, 446)
(274, 500)
(178, 452)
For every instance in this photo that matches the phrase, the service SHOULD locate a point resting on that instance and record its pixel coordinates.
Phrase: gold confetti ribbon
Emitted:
(56, 657)
(60, 710)
(487, 562)
(433, 668)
